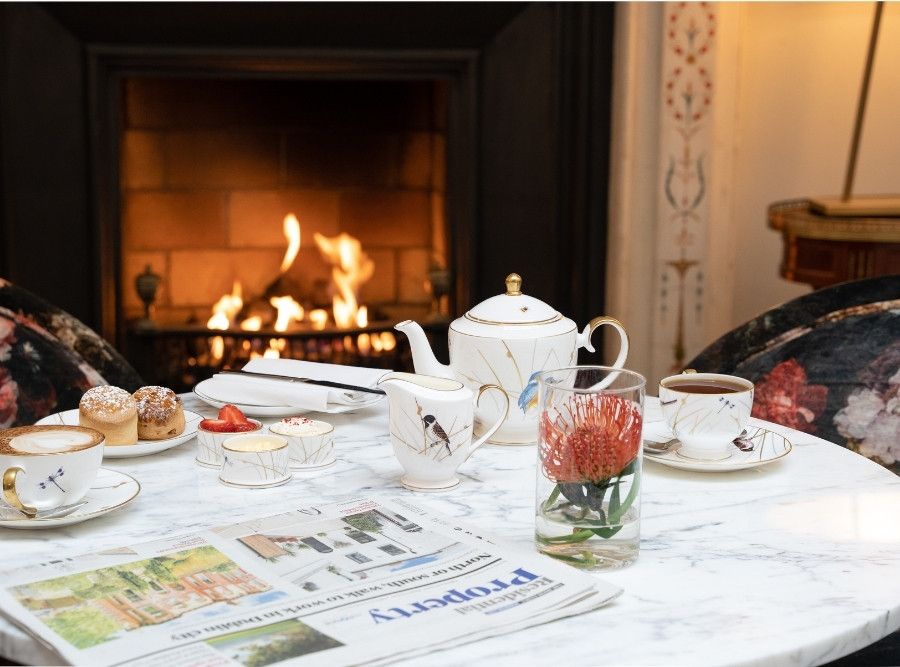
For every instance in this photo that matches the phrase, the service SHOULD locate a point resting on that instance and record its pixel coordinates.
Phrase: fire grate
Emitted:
(181, 357)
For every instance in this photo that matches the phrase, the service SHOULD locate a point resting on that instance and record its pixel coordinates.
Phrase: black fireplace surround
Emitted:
(528, 127)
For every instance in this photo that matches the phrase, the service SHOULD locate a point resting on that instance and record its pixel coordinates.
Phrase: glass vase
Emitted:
(588, 510)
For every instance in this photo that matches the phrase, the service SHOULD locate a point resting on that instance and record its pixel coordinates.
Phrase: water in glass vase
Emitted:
(585, 539)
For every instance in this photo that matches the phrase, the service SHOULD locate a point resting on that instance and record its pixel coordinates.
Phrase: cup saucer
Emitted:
(405, 481)
(768, 446)
(110, 491)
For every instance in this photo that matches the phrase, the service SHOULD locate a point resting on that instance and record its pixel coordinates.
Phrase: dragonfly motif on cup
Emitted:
(51, 479)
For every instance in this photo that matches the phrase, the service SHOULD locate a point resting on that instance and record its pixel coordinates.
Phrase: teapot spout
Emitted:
(424, 360)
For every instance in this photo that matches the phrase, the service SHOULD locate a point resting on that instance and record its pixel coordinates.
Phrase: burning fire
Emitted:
(351, 267)
(291, 227)
(226, 308)
(288, 311)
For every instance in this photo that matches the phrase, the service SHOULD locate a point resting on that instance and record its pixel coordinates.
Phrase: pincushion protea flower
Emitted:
(596, 437)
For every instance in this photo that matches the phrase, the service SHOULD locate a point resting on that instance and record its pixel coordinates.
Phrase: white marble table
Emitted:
(797, 563)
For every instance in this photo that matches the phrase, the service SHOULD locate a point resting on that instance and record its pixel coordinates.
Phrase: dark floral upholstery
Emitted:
(827, 363)
(48, 359)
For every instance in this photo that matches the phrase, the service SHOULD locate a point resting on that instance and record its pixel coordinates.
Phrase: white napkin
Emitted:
(265, 392)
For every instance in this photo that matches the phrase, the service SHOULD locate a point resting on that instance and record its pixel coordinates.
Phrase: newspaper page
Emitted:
(347, 583)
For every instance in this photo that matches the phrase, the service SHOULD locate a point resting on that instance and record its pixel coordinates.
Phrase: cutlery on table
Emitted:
(655, 447)
(56, 512)
(321, 383)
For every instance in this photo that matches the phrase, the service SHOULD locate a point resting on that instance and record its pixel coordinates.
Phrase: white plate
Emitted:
(255, 410)
(142, 447)
(110, 491)
(768, 446)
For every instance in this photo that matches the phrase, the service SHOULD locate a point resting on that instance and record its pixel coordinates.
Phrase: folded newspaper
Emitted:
(354, 582)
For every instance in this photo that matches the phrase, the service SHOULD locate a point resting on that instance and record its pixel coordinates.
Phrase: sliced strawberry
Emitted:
(231, 413)
(222, 426)
(216, 425)
(244, 426)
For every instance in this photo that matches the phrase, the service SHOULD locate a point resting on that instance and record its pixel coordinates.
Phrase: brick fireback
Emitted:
(209, 168)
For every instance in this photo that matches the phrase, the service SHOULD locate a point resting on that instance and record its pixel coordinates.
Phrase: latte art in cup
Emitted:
(48, 439)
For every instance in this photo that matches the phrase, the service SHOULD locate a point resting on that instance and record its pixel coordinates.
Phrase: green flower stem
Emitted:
(606, 527)
(615, 516)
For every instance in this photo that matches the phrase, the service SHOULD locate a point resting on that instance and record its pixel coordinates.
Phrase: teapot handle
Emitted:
(584, 338)
(493, 429)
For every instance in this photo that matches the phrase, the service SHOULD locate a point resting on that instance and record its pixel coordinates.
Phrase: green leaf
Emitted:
(615, 517)
(614, 501)
(577, 536)
(547, 504)
(607, 532)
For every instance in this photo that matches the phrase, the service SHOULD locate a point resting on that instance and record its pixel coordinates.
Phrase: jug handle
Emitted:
(584, 338)
(493, 429)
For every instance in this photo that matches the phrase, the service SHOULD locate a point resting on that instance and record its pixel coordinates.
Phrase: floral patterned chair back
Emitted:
(48, 359)
(827, 363)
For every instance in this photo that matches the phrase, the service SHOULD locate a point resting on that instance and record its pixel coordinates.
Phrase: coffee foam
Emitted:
(43, 440)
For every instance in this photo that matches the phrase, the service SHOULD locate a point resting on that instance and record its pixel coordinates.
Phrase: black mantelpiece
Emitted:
(533, 83)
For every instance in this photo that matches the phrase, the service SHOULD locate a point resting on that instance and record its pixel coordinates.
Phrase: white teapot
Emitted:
(507, 340)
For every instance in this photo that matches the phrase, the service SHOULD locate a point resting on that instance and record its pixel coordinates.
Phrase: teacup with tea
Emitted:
(45, 467)
(706, 411)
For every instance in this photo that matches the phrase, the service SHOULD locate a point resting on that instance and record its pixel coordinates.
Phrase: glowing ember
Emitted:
(253, 323)
(351, 267)
(388, 342)
(226, 308)
(292, 234)
(318, 318)
(364, 343)
(216, 348)
(288, 311)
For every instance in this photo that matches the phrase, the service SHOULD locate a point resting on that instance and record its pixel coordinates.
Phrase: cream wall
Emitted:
(797, 83)
(786, 79)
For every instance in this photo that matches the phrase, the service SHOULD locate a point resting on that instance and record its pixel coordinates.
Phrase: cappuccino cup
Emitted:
(44, 467)
(706, 412)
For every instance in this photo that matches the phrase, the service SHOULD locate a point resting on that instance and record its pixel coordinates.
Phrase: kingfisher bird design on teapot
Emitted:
(506, 340)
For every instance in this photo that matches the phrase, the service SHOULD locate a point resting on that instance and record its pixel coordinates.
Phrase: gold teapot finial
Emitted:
(513, 285)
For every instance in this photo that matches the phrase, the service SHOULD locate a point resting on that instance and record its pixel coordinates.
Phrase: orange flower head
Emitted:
(594, 438)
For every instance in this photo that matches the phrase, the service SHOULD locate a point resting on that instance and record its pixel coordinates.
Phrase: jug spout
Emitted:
(423, 358)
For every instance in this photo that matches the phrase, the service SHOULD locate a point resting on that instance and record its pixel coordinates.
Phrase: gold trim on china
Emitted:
(96, 512)
(513, 285)
(10, 495)
(551, 320)
(267, 485)
(574, 329)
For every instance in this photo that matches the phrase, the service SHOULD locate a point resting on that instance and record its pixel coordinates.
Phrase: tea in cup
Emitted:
(431, 422)
(706, 412)
(45, 467)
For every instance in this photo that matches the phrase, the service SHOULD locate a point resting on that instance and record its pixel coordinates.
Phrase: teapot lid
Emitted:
(513, 307)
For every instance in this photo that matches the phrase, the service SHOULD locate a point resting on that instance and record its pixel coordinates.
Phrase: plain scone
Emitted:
(160, 413)
(112, 411)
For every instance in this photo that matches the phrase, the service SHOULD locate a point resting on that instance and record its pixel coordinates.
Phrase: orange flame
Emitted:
(318, 318)
(288, 310)
(292, 234)
(351, 267)
(226, 308)
(252, 323)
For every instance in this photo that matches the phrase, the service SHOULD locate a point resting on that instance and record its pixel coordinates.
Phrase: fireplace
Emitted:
(456, 142)
(308, 214)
